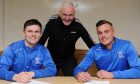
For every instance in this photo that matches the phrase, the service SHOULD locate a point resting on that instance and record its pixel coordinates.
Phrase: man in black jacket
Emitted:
(62, 32)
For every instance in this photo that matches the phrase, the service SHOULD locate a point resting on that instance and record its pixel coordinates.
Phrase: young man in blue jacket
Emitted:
(25, 59)
(114, 57)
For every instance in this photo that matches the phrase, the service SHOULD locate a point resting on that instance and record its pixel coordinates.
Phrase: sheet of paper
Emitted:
(32, 82)
(97, 82)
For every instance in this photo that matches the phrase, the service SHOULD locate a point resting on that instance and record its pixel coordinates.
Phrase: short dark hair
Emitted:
(101, 22)
(32, 22)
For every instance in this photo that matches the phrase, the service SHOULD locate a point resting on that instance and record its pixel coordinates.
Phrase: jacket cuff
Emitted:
(115, 75)
(10, 76)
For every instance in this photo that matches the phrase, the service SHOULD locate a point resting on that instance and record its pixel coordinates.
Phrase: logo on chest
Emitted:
(37, 60)
(120, 54)
(73, 32)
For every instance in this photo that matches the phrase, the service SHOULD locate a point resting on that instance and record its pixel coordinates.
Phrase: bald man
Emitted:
(62, 32)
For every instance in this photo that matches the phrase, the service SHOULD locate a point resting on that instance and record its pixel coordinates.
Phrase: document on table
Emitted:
(97, 82)
(32, 82)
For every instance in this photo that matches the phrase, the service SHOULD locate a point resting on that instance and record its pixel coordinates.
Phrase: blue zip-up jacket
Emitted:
(122, 60)
(20, 58)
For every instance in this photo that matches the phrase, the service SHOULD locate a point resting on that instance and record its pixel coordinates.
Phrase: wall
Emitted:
(124, 14)
(1, 24)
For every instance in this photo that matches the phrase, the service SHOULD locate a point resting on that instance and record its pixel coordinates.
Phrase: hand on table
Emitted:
(83, 76)
(23, 77)
(104, 74)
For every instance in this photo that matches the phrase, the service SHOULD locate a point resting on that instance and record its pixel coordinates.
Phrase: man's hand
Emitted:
(104, 74)
(23, 77)
(32, 74)
(83, 76)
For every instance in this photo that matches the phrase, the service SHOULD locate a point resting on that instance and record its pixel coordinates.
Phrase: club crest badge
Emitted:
(120, 54)
(37, 60)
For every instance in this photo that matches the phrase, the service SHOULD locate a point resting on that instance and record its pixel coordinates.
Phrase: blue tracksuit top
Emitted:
(122, 60)
(20, 58)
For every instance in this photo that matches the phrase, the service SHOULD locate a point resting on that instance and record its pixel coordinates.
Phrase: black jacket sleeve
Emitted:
(45, 35)
(86, 37)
